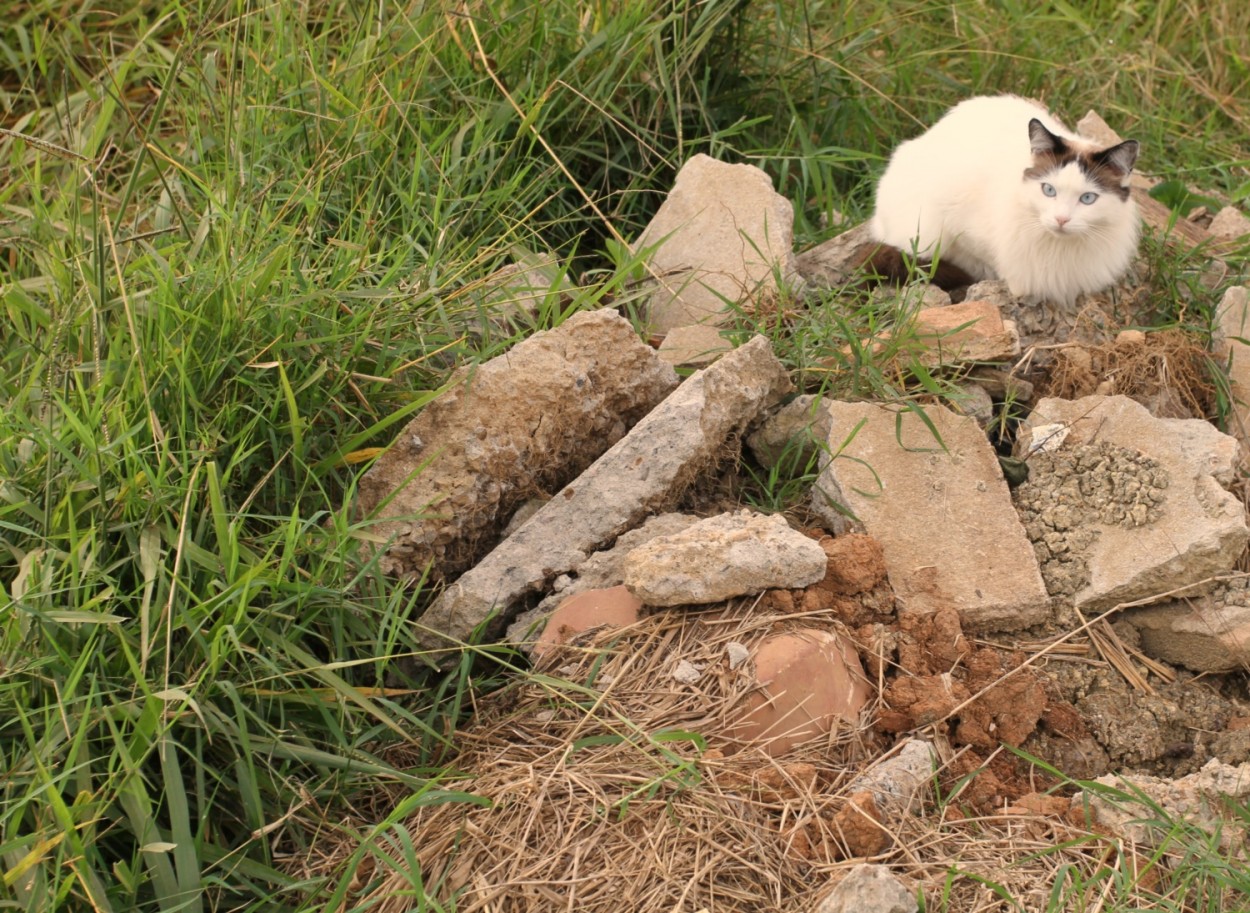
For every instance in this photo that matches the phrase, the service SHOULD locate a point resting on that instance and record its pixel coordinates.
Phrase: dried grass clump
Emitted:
(603, 789)
(1167, 372)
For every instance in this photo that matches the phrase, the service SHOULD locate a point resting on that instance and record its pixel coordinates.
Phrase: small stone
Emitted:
(687, 672)
(1232, 346)
(836, 262)
(869, 889)
(1229, 224)
(722, 557)
(738, 654)
(896, 782)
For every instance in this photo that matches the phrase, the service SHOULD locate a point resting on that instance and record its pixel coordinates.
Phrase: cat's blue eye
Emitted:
(1048, 189)
(1088, 197)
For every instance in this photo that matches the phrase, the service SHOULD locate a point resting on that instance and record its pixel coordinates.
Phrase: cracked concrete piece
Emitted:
(721, 558)
(1131, 503)
(696, 346)
(445, 488)
(942, 514)
(869, 889)
(643, 473)
(722, 235)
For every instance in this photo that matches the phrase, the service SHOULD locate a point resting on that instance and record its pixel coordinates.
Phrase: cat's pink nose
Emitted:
(1063, 220)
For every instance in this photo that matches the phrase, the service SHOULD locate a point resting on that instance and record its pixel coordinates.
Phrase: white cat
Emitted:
(999, 189)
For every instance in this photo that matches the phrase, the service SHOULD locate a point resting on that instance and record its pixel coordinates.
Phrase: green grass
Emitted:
(240, 243)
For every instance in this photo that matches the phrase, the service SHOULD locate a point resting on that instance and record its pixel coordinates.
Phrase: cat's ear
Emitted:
(1121, 157)
(1043, 142)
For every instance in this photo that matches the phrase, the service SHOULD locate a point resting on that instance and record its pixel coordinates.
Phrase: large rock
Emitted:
(723, 557)
(642, 474)
(940, 509)
(869, 889)
(722, 235)
(1123, 506)
(446, 487)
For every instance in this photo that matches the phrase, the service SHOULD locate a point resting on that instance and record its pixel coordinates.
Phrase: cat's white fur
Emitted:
(958, 192)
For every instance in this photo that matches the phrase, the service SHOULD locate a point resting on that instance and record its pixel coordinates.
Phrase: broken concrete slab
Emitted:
(446, 487)
(970, 331)
(643, 473)
(1206, 632)
(869, 889)
(722, 235)
(940, 508)
(809, 680)
(1127, 506)
(838, 261)
(721, 558)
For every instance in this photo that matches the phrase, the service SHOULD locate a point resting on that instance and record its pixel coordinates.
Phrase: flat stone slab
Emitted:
(445, 489)
(940, 509)
(721, 558)
(642, 474)
(1121, 505)
(722, 235)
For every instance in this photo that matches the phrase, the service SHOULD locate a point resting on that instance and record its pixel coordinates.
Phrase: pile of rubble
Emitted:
(550, 490)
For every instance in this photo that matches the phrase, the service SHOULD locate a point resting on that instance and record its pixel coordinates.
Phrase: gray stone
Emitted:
(1229, 224)
(642, 474)
(721, 558)
(1129, 506)
(837, 262)
(869, 889)
(445, 489)
(721, 236)
(898, 783)
(940, 509)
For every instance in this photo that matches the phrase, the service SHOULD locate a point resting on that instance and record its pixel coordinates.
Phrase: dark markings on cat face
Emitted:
(1106, 168)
